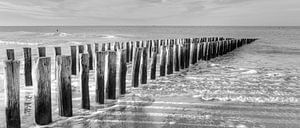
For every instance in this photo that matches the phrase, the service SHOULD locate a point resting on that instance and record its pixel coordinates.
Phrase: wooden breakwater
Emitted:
(110, 65)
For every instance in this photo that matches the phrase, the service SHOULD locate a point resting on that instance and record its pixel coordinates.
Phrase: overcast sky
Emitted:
(150, 12)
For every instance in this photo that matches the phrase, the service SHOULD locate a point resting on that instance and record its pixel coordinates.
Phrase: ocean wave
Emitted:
(18, 43)
(56, 34)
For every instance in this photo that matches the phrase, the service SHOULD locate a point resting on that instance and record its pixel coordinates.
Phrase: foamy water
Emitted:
(261, 77)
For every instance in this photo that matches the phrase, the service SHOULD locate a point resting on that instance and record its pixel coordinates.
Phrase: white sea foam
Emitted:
(109, 36)
(60, 34)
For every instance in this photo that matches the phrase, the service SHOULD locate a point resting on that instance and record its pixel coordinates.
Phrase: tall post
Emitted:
(127, 52)
(64, 86)
(89, 48)
(153, 64)
(27, 66)
(84, 80)
(182, 56)
(170, 59)
(110, 75)
(163, 61)
(96, 47)
(57, 52)
(42, 91)
(10, 54)
(74, 57)
(176, 58)
(103, 47)
(136, 67)
(100, 71)
(12, 90)
(121, 72)
(144, 62)
(42, 51)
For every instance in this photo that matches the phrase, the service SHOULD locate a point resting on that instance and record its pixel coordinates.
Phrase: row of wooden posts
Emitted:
(110, 66)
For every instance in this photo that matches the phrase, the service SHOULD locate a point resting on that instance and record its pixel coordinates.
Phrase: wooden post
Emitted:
(187, 55)
(42, 91)
(64, 86)
(182, 56)
(170, 60)
(163, 61)
(10, 54)
(57, 52)
(96, 47)
(143, 70)
(127, 52)
(121, 72)
(176, 58)
(131, 51)
(84, 80)
(74, 57)
(100, 71)
(89, 48)
(136, 67)
(42, 51)
(153, 63)
(108, 46)
(103, 47)
(80, 50)
(110, 75)
(12, 90)
(27, 66)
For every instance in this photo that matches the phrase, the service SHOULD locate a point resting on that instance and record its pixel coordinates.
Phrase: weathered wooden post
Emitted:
(163, 61)
(143, 70)
(84, 80)
(170, 59)
(103, 47)
(64, 86)
(136, 67)
(182, 56)
(12, 96)
(110, 75)
(96, 47)
(10, 54)
(153, 64)
(27, 66)
(74, 57)
(100, 72)
(89, 48)
(127, 52)
(42, 91)
(176, 58)
(42, 51)
(108, 46)
(57, 52)
(121, 72)
(131, 51)
(188, 52)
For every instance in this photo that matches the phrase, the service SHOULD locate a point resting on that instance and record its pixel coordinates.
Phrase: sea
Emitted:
(257, 85)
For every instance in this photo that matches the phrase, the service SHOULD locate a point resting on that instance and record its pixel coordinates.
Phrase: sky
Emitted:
(150, 12)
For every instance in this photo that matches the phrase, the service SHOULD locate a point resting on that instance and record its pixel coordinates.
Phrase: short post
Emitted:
(110, 75)
(42, 91)
(12, 90)
(182, 56)
(136, 67)
(74, 57)
(64, 86)
(84, 80)
(163, 61)
(27, 66)
(153, 64)
(89, 48)
(100, 71)
(10, 54)
(143, 70)
(121, 72)
(42, 51)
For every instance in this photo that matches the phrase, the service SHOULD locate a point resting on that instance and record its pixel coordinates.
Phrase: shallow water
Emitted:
(254, 86)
